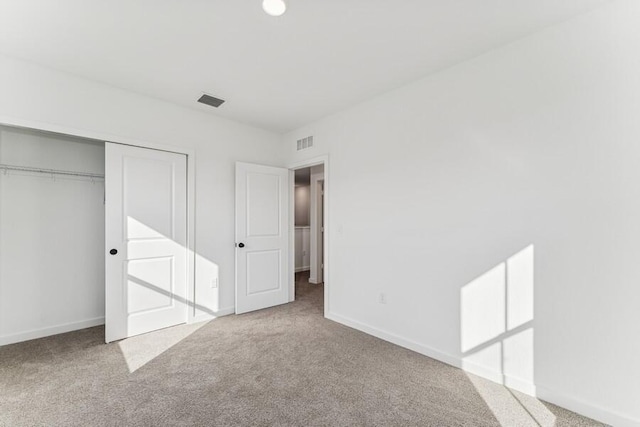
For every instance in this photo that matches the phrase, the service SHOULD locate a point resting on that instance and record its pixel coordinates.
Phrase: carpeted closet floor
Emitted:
(284, 366)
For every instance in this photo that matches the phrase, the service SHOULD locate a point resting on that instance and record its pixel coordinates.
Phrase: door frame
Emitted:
(191, 175)
(319, 183)
(320, 160)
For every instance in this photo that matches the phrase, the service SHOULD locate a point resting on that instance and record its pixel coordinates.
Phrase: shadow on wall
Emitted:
(497, 336)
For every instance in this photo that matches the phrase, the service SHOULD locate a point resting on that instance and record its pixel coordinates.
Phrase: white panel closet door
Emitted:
(146, 240)
(262, 236)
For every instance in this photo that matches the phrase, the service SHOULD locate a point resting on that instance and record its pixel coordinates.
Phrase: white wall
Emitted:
(51, 236)
(40, 97)
(302, 248)
(302, 203)
(496, 205)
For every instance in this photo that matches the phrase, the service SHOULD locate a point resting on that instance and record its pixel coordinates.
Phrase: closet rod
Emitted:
(7, 168)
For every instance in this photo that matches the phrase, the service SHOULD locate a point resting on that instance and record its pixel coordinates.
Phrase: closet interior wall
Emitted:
(51, 235)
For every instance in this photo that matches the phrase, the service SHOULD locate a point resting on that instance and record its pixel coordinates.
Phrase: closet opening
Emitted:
(63, 200)
(52, 234)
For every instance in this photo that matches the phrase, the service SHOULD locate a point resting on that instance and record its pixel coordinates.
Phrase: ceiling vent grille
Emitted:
(304, 143)
(211, 100)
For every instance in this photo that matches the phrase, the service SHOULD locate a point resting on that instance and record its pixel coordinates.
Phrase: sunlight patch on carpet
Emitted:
(512, 408)
(140, 350)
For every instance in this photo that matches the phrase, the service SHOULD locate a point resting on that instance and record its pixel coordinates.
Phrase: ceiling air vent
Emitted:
(304, 143)
(211, 100)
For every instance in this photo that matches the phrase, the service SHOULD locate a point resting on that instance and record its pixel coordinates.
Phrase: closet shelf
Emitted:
(6, 168)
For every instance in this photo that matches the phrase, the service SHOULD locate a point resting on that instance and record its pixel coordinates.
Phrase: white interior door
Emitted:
(262, 236)
(146, 240)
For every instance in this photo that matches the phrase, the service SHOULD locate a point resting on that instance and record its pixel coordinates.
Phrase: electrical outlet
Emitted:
(214, 283)
(382, 298)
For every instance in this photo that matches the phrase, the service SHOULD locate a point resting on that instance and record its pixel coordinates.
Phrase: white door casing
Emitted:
(262, 236)
(146, 223)
(320, 266)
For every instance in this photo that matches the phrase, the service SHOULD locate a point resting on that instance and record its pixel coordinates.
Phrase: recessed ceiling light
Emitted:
(274, 7)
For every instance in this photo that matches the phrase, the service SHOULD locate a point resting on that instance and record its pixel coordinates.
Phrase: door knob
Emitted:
(113, 251)
(241, 245)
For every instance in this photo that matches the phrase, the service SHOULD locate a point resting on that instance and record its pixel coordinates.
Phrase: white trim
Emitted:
(541, 392)
(396, 339)
(218, 313)
(53, 330)
(490, 374)
(83, 133)
(191, 182)
(300, 269)
(521, 385)
(310, 162)
(316, 197)
(292, 236)
(320, 160)
(587, 409)
(191, 239)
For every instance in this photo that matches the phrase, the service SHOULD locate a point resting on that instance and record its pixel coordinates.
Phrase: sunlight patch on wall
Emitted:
(496, 320)
(520, 288)
(497, 332)
(483, 308)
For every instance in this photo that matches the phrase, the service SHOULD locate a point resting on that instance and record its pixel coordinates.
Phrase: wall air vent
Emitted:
(304, 143)
(210, 100)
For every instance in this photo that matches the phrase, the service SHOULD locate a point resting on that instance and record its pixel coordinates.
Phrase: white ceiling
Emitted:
(276, 73)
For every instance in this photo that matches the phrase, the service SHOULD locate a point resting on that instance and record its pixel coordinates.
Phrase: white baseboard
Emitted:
(299, 269)
(514, 383)
(395, 339)
(225, 311)
(205, 317)
(53, 330)
(75, 326)
(587, 409)
(575, 405)
(521, 385)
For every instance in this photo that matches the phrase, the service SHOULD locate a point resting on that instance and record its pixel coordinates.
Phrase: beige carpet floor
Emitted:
(284, 366)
